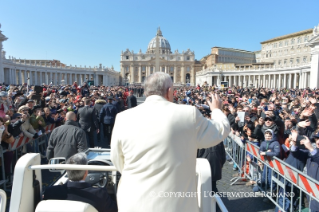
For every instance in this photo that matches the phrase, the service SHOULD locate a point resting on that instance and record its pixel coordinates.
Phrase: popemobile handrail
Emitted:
(73, 167)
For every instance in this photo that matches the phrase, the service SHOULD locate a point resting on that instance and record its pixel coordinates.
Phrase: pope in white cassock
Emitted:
(154, 146)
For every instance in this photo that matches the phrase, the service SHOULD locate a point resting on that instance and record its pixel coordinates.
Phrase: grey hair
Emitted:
(77, 159)
(157, 84)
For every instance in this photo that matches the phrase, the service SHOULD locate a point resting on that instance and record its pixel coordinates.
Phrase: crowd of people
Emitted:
(26, 110)
(283, 122)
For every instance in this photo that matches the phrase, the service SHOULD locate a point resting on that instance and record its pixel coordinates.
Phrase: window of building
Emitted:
(279, 62)
(172, 69)
(280, 44)
(188, 69)
(163, 69)
(298, 40)
(291, 60)
(127, 68)
(187, 58)
(292, 41)
(143, 57)
(151, 70)
(306, 38)
(304, 59)
(298, 60)
(172, 57)
(163, 51)
(285, 61)
(286, 42)
(143, 68)
(127, 57)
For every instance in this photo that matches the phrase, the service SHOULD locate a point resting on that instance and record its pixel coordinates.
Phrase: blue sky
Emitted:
(93, 32)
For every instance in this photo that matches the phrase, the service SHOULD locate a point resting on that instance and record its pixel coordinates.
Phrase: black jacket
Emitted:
(131, 101)
(98, 106)
(216, 156)
(87, 118)
(83, 192)
(66, 141)
(108, 113)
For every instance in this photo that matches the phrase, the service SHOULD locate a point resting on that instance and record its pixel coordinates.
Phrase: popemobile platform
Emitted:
(26, 193)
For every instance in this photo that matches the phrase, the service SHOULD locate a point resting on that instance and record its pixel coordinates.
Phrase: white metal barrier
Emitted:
(275, 177)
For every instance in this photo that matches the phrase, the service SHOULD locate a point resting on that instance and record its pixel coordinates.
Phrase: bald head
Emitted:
(70, 116)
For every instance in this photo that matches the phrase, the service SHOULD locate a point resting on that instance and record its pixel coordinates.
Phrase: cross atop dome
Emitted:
(159, 32)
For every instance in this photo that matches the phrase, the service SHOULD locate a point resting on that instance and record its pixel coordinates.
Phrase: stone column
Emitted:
(122, 76)
(193, 76)
(30, 80)
(295, 80)
(132, 80)
(105, 79)
(285, 80)
(300, 80)
(70, 79)
(183, 74)
(140, 74)
(2, 38)
(230, 82)
(258, 83)
(56, 78)
(175, 74)
(279, 81)
(289, 81)
(81, 79)
(19, 77)
(314, 71)
(14, 76)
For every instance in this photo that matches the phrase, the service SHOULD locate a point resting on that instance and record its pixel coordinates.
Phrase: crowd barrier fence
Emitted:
(282, 184)
(18, 145)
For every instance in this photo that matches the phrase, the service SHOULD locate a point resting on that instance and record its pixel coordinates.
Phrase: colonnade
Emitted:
(273, 80)
(19, 76)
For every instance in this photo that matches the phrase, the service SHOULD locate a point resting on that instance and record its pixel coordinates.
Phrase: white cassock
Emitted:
(154, 146)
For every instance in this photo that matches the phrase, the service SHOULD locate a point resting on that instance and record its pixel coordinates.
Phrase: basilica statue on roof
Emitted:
(135, 67)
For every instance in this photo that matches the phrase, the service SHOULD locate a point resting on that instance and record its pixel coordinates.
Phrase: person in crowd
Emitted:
(131, 101)
(107, 117)
(76, 189)
(26, 127)
(312, 163)
(98, 106)
(150, 153)
(216, 156)
(47, 116)
(67, 139)
(5, 104)
(88, 121)
(37, 121)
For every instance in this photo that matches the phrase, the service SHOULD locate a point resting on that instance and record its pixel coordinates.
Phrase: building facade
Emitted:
(135, 67)
(227, 58)
(268, 72)
(291, 49)
(37, 72)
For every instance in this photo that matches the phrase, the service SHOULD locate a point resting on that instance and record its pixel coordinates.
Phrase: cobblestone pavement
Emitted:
(240, 204)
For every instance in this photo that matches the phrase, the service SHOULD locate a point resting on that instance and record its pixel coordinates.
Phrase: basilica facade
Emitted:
(135, 67)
